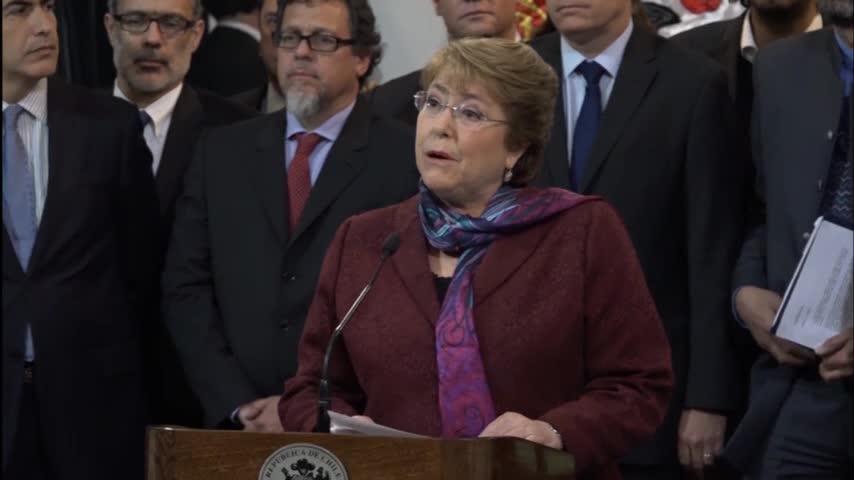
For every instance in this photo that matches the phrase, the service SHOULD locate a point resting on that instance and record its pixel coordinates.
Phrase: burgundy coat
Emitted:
(567, 330)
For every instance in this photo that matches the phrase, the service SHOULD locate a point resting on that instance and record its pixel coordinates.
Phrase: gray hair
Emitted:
(113, 5)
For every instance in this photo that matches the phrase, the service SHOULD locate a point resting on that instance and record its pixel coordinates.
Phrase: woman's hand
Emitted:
(515, 425)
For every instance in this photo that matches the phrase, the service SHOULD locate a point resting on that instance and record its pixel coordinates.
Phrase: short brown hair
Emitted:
(524, 86)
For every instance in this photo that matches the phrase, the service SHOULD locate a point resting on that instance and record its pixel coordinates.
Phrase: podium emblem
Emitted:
(303, 461)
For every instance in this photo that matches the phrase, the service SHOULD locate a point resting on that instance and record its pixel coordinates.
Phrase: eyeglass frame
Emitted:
(339, 42)
(455, 111)
(188, 23)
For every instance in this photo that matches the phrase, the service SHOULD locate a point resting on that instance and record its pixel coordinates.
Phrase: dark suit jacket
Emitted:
(798, 103)
(721, 41)
(227, 63)
(662, 158)
(394, 98)
(237, 282)
(593, 361)
(252, 98)
(172, 400)
(87, 291)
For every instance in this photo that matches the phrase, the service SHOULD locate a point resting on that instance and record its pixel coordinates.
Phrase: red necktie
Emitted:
(299, 175)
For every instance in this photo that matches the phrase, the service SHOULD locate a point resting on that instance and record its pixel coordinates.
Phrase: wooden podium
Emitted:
(186, 454)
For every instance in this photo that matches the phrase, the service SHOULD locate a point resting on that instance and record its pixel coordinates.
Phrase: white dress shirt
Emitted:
(574, 85)
(33, 129)
(160, 112)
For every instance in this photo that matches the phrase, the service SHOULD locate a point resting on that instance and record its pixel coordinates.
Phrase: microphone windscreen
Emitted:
(391, 244)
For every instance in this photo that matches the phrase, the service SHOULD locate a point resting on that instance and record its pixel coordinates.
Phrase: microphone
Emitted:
(390, 245)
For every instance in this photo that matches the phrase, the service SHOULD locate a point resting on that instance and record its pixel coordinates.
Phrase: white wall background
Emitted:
(411, 32)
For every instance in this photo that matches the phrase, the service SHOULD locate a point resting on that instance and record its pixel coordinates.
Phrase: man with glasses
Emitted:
(152, 42)
(263, 201)
(463, 18)
(79, 208)
(268, 97)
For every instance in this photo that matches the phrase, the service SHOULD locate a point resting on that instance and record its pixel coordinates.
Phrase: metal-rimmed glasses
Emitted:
(467, 115)
(169, 24)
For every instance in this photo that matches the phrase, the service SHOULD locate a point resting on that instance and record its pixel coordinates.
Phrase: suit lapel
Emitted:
(504, 257)
(342, 165)
(555, 155)
(66, 146)
(637, 71)
(822, 80)
(183, 131)
(730, 53)
(411, 260)
(269, 172)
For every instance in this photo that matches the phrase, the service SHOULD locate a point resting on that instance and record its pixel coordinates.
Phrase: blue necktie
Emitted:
(588, 122)
(144, 117)
(19, 197)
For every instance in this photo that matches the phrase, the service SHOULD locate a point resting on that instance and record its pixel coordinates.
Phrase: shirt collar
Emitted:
(748, 41)
(231, 22)
(159, 110)
(35, 102)
(609, 59)
(329, 130)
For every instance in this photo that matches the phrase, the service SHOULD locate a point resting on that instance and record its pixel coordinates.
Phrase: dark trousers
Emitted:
(812, 435)
(28, 460)
(661, 472)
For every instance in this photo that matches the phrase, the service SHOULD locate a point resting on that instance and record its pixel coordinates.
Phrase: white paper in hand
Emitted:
(345, 425)
(819, 299)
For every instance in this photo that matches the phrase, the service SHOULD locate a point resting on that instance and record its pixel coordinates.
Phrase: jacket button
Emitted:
(806, 236)
(830, 135)
(820, 186)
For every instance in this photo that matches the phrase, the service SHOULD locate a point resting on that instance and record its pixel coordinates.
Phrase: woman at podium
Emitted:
(507, 310)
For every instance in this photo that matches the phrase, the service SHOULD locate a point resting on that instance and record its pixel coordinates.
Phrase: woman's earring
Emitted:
(508, 175)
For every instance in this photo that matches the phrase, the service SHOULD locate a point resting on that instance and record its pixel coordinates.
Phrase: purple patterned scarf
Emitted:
(465, 402)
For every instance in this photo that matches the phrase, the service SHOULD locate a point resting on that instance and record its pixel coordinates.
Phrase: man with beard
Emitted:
(799, 421)
(267, 98)
(733, 44)
(263, 200)
(79, 208)
(152, 42)
(463, 18)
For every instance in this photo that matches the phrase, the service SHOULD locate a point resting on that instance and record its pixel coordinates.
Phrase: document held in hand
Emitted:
(819, 299)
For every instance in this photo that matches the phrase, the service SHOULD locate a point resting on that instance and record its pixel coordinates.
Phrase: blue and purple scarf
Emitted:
(465, 401)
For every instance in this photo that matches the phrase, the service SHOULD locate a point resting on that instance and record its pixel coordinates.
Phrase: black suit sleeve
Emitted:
(750, 269)
(714, 178)
(139, 222)
(190, 307)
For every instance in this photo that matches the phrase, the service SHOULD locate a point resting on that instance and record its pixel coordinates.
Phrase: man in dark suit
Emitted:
(733, 45)
(151, 63)
(252, 226)
(268, 97)
(228, 63)
(79, 206)
(798, 424)
(646, 125)
(463, 18)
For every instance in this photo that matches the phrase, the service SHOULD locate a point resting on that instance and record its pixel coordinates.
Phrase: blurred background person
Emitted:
(152, 42)
(463, 18)
(268, 97)
(733, 44)
(228, 62)
(801, 412)
(527, 306)
(80, 230)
